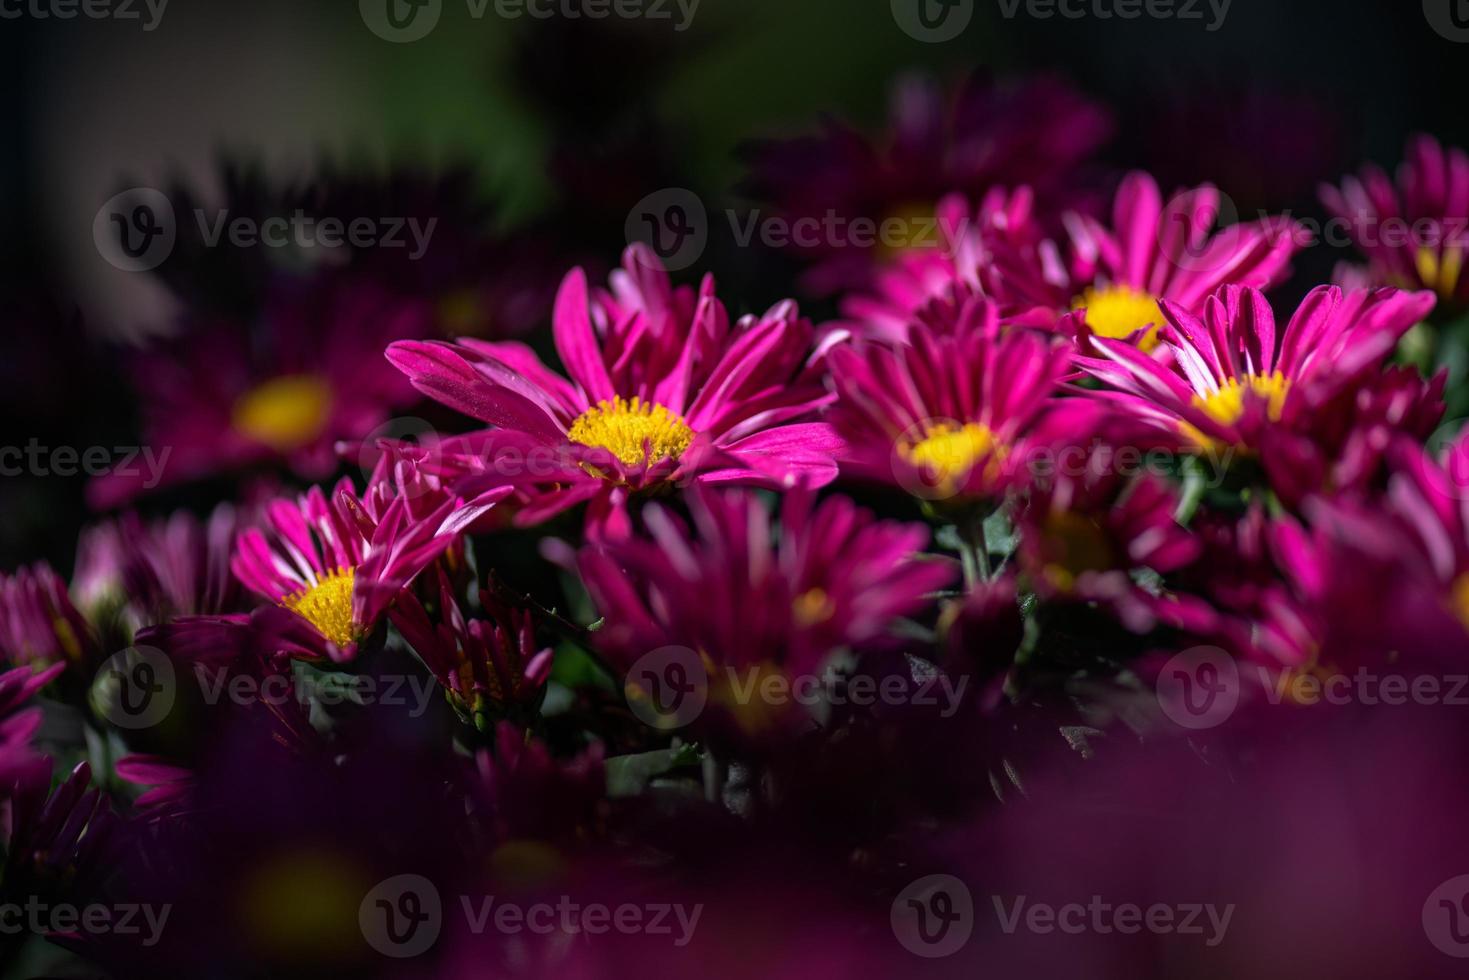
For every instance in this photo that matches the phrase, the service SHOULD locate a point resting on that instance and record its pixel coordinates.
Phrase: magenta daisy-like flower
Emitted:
(39, 625)
(986, 135)
(1414, 232)
(338, 563)
(227, 395)
(833, 578)
(487, 666)
(956, 414)
(1116, 275)
(154, 571)
(1233, 384)
(663, 390)
(1093, 523)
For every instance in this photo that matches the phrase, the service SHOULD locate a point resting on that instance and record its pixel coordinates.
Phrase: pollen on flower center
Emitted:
(327, 605)
(1227, 405)
(948, 452)
(634, 431)
(1117, 312)
(284, 413)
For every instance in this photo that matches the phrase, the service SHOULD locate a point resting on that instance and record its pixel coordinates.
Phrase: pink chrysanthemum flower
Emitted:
(663, 390)
(987, 135)
(339, 563)
(956, 414)
(487, 666)
(150, 572)
(1089, 526)
(1232, 385)
(833, 578)
(39, 625)
(1153, 250)
(226, 395)
(1415, 232)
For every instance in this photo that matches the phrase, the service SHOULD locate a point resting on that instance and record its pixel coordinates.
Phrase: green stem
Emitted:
(974, 552)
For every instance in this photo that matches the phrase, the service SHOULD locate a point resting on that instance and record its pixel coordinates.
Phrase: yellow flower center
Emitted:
(813, 606)
(327, 605)
(294, 902)
(461, 315)
(1440, 273)
(948, 452)
(1227, 405)
(634, 431)
(1117, 312)
(1075, 545)
(1460, 599)
(907, 226)
(284, 413)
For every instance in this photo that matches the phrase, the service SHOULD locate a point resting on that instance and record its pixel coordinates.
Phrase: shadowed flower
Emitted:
(833, 578)
(1231, 384)
(521, 792)
(987, 135)
(339, 563)
(1415, 232)
(155, 571)
(662, 391)
(486, 666)
(39, 626)
(955, 415)
(226, 395)
(1153, 250)
(1091, 528)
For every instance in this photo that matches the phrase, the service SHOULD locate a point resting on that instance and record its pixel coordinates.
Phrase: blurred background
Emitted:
(538, 138)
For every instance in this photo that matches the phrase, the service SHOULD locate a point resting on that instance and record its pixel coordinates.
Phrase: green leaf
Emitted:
(629, 775)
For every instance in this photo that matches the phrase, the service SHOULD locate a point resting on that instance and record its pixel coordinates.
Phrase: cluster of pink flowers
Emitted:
(1064, 442)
